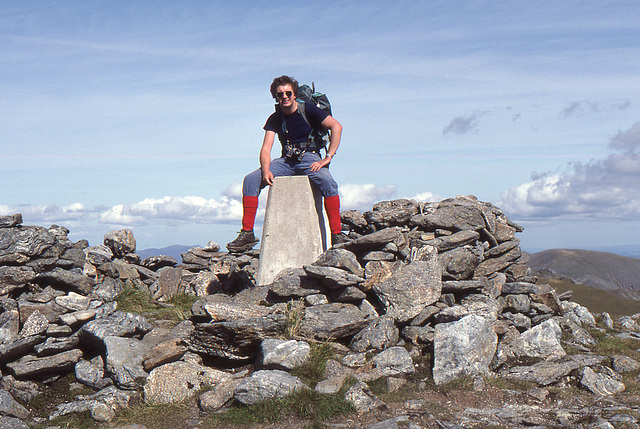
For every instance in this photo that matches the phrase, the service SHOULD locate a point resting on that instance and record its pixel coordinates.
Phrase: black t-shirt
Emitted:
(297, 128)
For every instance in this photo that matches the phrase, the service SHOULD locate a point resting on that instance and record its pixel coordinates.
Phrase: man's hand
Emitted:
(268, 177)
(316, 166)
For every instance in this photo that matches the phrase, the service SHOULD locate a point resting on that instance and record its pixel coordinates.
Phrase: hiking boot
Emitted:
(339, 238)
(245, 241)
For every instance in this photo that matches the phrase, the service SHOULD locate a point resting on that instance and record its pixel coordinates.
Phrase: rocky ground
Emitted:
(428, 317)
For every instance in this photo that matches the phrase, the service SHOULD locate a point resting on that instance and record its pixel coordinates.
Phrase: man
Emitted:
(300, 155)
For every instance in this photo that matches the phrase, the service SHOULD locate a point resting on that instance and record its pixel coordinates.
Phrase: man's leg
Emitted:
(329, 189)
(251, 187)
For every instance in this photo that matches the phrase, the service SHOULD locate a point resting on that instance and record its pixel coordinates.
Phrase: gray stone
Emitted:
(98, 255)
(294, 282)
(36, 324)
(545, 372)
(120, 242)
(266, 384)
(541, 341)
(333, 277)
(392, 213)
(12, 278)
(10, 407)
(30, 241)
(118, 324)
(333, 321)
(13, 349)
(393, 362)
(624, 364)
(91, 373)
(600, 384)
(8, 221)
(465, 347)
(282, 354)
(12, 423)
(109, 289)
(167, 284)
(67, 280)
(379, 334)
(124, 361)
(411, 288)
(156, 262)
(363, 400)
(56, 345)
(235, 339)
(29, 366)
(340, 258)
(177, 381)
(459, 263)
(215, 399)
(110, 396)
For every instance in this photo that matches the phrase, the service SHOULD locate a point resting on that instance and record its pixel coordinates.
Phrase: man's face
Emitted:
(285, 95)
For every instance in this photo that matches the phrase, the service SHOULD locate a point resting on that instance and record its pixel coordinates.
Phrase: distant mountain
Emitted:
(601, 270)
(174, 251)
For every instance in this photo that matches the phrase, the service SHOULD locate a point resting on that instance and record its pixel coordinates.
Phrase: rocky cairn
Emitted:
(446, 280)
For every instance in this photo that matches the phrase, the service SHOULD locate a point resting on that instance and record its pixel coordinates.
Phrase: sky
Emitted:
(147, 115)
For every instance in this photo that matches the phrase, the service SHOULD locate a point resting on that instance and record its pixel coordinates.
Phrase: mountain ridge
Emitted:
(602, 270)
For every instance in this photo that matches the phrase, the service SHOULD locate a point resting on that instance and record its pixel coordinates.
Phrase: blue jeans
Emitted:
(322, 179)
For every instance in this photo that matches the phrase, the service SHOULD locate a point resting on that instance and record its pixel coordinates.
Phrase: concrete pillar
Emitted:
(295, 230)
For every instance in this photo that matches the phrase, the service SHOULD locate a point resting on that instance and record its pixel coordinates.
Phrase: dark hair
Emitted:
(284, 80)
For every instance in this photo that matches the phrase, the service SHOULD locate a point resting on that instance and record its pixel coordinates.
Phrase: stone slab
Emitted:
(295, 231)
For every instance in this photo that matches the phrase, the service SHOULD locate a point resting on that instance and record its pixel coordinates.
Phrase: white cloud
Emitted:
(427, 197)
(605, 189)
(362, 197)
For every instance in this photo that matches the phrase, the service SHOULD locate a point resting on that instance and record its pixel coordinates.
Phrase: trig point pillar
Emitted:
(295, 230)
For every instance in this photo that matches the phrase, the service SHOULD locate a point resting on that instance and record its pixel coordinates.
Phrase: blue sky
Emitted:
(147, 115)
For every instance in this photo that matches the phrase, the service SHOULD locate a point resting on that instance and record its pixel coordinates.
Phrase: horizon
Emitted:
(148, 115)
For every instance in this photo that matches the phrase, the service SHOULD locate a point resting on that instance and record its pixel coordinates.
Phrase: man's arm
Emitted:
(265, 156)
(335, 134)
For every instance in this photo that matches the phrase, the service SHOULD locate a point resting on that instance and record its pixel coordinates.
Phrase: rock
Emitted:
(363, 400)
(465, 347)
(282, 354)
(29, 366)
(124, 361)
(333, 321)
(7, 221)
(118, 324)
(28, 241)
(600, 384)
(214, 400)
(120, 242)
(98, 255)
(392, 362)
(156, 262)
(545, 372)
(539, 342)
(294, 282)
(110, 396)
(91, 373)
(177, 381)
(410, 289)
(13, 278)
(235, 339)
(340, 258)
(379, 334)
(67, 280)
(266, 384)
(167, 284)
(333, 278)
(10, 407)
(392, 213)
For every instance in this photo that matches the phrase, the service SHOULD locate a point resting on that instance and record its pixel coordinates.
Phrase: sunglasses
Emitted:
(282, 94)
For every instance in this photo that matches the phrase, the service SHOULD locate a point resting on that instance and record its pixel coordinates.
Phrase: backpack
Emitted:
(319, 138)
